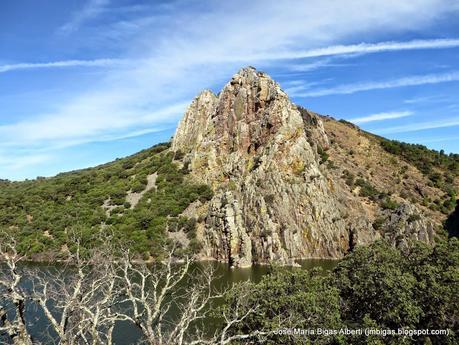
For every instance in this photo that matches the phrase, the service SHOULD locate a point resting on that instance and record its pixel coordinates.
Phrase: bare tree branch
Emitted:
(10, 289)
(83, 300)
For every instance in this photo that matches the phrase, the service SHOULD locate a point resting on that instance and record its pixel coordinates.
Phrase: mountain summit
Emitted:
(274, 200)
(249, 177)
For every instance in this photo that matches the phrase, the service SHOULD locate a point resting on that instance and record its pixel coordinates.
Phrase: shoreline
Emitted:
(296, 262)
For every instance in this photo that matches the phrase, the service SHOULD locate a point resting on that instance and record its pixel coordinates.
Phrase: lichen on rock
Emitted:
(272, 201)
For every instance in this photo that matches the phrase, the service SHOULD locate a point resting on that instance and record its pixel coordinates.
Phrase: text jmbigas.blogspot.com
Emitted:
(360, 331)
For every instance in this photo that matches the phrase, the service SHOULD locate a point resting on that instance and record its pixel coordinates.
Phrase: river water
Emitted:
(125, 333)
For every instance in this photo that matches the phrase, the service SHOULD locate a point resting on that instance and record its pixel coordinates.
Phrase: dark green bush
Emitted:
(376, 287)
(389, 204)
(58, 204)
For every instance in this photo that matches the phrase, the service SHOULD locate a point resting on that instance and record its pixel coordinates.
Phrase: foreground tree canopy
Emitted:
(376, 287)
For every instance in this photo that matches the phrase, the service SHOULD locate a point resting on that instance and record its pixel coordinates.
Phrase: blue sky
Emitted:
(85, 81)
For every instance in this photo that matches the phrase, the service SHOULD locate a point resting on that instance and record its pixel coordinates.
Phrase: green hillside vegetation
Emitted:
(424, 159)
(441, 169)
(44, 213)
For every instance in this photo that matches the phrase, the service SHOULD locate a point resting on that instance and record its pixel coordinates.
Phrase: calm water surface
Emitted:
(125, 333)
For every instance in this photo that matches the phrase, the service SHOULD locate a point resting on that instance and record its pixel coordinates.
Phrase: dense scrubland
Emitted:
(43, 213)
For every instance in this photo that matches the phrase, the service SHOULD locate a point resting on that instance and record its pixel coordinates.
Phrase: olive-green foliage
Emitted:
(389, 204)
(42, 212)
(422, 157)
(415, 289)
(349, 178)
(295, 299)
(378, 223)
(368, 279)
(378, 287)
(440, 168)
(413, 218)
(429, 162)
(367, 190)
(323, 154)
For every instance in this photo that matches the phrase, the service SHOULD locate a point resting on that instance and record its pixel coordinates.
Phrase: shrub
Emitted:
(378, 223)
(366, 189)
(298, 299)
(424, 159)
(389, 204)
(349, 178)
(323, 154)
(413, 218)
(61, 202)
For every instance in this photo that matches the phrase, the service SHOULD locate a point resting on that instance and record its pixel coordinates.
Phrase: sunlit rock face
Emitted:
(272, 201)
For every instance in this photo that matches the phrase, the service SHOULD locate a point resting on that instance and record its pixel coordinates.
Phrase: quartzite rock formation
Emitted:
(272, 200)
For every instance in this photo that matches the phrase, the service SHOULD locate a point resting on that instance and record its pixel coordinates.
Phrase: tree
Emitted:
(382, 287)
(84, 300)
(12, 295)
(373, 283)
(79, 299)
(288, 299)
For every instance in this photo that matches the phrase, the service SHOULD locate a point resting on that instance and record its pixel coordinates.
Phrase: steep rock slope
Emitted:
(273, 201)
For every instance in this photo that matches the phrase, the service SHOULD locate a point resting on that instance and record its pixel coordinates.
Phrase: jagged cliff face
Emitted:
(273, 201)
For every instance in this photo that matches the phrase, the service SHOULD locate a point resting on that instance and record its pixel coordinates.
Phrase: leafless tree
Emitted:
(84, 300)
(153, 292)
(78, 299)
(12, 297)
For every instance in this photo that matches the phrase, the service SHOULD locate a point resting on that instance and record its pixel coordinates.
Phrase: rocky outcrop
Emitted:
(272, 200)
(407, 222)
(314, 129)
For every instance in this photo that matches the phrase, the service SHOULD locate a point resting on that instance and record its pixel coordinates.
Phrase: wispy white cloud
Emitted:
(381, 116)
(19, 162)
(420, 126)
(91, 10)
(63, 64)
(293, 68)
(195, 48)
(400, 82)
(430, 99)
(361, 48)
(311, 66)
(417, 100)
(59, 133)
(297, 86)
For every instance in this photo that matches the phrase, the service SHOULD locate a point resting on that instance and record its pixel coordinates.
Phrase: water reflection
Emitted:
(126, 333)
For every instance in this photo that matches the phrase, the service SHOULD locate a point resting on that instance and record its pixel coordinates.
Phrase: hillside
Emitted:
(248, 178)
(404, 172)
(137, 198)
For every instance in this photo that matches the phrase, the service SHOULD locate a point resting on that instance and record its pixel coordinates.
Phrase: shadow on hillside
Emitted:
(452, 223)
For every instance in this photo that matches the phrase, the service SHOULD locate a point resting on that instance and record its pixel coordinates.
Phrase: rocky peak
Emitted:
(252, 145)
(273, 201)
(192, 127)
(250, 111)
(244, 119)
